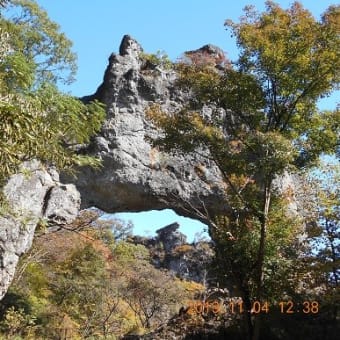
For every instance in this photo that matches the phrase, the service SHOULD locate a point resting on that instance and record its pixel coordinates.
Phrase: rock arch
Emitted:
(134, 177)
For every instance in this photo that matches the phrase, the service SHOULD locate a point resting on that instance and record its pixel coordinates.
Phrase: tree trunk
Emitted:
(247, 306)
(260, 255)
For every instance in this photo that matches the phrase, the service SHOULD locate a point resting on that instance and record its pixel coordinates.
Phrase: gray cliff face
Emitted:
(170, 237)
(136, 176)
(33, 194)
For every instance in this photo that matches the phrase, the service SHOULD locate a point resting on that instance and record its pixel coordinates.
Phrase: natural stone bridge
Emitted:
(134, 177)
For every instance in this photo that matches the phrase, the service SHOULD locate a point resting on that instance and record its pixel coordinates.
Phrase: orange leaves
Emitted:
(235, 146)
(155, 114)
(183, 249)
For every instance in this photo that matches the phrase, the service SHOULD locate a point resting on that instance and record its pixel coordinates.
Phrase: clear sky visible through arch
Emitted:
(174, 26)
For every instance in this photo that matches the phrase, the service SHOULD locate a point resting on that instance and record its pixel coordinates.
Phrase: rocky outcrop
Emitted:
(170, 237)
(33, 195)
(170, 250)
(135, 176)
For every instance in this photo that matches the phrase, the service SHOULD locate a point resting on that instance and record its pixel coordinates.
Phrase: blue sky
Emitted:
(174, 26)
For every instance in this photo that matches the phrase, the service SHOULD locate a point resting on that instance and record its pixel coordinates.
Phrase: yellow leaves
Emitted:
(155, 114)
(331, 18)
(200, 79)
(274, 152)
(151, 61)
(235, 146)
(296, 55)
(180, 250)
(241, 181)
(191, 287)
(184, 130)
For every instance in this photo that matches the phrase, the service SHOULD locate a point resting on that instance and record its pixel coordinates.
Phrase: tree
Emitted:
(151, 294)
(35, 38)
(324, 235)
(79, 282)
(119, 229)
(287, 61)
(85, 268)
(66, 285)
(36, 120)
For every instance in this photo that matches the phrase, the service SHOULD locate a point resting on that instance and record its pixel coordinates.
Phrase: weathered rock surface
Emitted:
(135, 176)
(33, 194)
(170, 250)
(170, 237)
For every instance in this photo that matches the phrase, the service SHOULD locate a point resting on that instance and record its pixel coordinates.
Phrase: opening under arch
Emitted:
(147, 222)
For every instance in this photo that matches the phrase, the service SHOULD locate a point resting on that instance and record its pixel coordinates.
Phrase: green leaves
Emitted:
(76, 122)
(262, 120)
(159, 59)
(38, 39)
(36, 120)
(294, 57)
(18, 73)
(44, 125)
(272, 153)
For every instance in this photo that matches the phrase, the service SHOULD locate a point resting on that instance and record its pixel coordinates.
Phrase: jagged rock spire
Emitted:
(130, 46)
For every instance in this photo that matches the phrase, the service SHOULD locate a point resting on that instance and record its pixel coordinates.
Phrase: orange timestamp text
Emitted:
(236, 306)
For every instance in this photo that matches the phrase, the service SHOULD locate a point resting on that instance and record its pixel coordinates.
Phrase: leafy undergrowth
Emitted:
(89, 280)
(85, 283)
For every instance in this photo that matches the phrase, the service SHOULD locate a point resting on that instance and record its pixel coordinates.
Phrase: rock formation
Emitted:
(135, 176)
(171, 237)
(170, 250)
(34, 195)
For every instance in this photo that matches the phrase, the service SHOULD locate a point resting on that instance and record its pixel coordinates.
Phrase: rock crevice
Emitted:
(34, 194)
